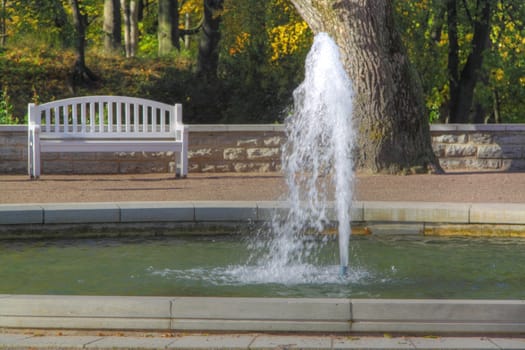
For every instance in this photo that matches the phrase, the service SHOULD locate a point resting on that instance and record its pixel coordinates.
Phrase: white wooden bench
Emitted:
(106, 124)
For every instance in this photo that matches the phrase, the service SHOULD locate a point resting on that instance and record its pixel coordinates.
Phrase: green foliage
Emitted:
(6, 108)
(500, 91)
(259, 87)
(262, 50)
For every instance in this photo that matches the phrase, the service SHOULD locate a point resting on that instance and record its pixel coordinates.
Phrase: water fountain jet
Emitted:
(316, 159)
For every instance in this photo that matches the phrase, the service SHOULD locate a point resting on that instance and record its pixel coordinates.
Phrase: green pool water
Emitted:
(380, 267)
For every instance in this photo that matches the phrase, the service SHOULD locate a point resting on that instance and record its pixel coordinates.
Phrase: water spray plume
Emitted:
(316, 160)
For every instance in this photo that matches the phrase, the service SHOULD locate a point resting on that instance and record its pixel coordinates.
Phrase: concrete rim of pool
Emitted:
(268, 314)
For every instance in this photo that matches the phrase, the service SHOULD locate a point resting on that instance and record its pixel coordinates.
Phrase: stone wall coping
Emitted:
(235, 127)
(281, 127)
(476, 127)
(13, 128)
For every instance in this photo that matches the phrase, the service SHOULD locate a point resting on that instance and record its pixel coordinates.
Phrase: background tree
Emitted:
(208, 59)
(393, 133)
(81, 73)
(131, 30)
(3, 22)
(168, 26)
(112, 26)
(462, 83)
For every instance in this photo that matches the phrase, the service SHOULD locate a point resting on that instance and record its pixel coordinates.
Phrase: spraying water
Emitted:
(316, 161)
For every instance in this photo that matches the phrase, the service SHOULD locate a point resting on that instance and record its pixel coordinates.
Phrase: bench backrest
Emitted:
(107, 117)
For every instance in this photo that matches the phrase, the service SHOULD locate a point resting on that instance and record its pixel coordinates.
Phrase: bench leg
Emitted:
(33, 154)
(184, 155)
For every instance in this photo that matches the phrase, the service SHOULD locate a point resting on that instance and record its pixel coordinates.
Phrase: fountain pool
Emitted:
(388, 266)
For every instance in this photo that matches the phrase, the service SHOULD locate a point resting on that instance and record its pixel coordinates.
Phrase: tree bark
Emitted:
(393, 133)
(453, 59)
(168, 28)
(81, 73)
(208, 58)
(463, 94)
(131, 29)
(3, 23)
(112, 26)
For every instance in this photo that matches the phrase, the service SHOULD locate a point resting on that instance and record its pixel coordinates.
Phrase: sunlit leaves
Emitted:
(500, 88)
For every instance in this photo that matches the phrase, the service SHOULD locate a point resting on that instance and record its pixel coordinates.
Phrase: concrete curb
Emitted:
(243, 211)
(431, 218)
(263, 314)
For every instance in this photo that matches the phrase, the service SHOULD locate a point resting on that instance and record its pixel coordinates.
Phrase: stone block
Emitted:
(81, 213)
(483, 164)
(448, 163)
(453, 311)
(57, 167)
(200, 153)
(126, 167)
(497, 213)
(263, 153)
(513, 164)
(480, 138)
(94, 167)
(259, 167)
(12, 153)
(273, 141)
(225, 211)
(439, 149)
(261, 309)
(85, 306)
(14, 214)
(416, 212)
(510, 138)
(156, 211)
(457, 150)
(500, 151)
(445, 138)
(244, 142)
(267, 210)
(237, 153)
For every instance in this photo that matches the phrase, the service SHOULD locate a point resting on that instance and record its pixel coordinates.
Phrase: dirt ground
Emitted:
(452, 187)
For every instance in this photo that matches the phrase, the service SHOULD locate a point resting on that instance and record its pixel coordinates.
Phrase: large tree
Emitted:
(391, 121)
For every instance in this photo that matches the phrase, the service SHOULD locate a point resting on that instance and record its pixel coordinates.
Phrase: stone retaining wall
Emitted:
(257, 148)
(480, 147)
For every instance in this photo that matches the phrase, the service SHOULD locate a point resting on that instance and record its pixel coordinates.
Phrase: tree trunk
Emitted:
(168, 28)
(3, 23)
(461, 110)
(208, 58)
(392, 125)
(453, 59)
(112, 26)
(81, 73)
(131, 29)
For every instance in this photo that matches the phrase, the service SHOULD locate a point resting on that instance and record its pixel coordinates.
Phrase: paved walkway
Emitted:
(454, 187)
(470, 188)
(107, 340)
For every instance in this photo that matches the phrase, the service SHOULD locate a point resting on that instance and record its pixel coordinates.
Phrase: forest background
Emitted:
(261, 52)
